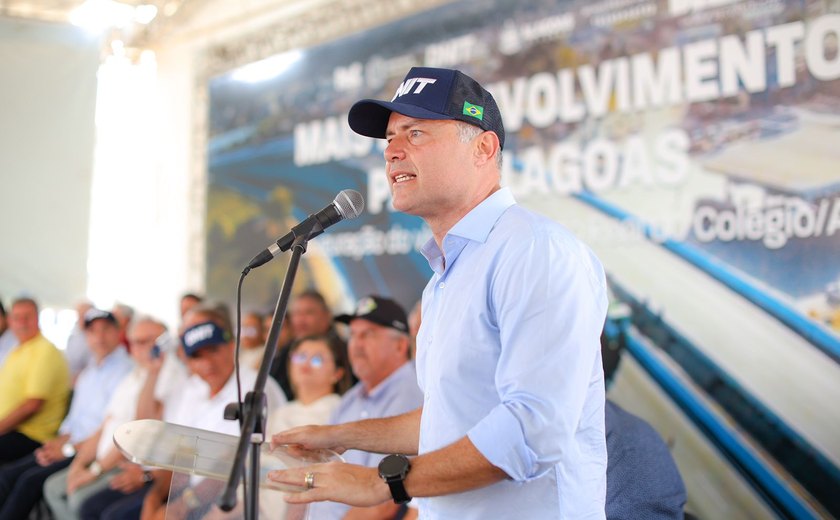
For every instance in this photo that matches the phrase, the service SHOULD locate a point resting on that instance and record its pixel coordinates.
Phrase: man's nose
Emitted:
(394, 151)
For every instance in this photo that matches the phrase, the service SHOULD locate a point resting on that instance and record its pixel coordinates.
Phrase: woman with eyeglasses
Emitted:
(319, 373)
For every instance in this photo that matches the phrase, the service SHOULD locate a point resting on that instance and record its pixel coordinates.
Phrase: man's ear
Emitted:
(486, 147)
(403, 345)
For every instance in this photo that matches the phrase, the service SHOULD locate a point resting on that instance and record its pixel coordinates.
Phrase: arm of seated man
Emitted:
(148, 406)
(130, 478)
(51, 452)
(79, 475)
(154, 503)
(24, 411)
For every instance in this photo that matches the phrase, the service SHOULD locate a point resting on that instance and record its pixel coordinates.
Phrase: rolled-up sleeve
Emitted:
(549, 297)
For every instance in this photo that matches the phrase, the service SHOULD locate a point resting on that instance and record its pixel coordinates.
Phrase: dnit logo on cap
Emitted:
(417, 83)
(198, 334)
(203, 335)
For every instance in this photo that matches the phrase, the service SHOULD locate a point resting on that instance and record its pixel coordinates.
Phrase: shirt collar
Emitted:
(31, 341)
(475, 225)
(115, 356)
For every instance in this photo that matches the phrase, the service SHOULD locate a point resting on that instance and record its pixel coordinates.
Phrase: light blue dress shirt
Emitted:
(93, 390)
(396, 395)
(77, 353)
(8, 341)
(508, 354)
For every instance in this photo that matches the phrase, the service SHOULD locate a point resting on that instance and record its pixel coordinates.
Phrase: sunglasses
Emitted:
(316, 361)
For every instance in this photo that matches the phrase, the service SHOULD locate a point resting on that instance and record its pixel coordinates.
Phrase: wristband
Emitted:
(95, 468)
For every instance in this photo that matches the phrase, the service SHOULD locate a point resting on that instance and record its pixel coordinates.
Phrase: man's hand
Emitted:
(335, 481)
(129, 480)
(78, 477)
(50, 452)
(155, 364)
(311, 437)
(154, 503)
(174, 510)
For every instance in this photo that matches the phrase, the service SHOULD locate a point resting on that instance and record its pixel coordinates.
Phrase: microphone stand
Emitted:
(252, 416)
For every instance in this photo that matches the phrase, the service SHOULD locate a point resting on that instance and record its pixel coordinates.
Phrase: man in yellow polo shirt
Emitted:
(34, 386)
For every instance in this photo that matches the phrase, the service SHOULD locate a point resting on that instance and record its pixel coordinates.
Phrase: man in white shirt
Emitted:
(141, 394)
(209, 351)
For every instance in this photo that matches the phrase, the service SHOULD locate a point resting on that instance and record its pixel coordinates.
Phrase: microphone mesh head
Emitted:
(349, 203)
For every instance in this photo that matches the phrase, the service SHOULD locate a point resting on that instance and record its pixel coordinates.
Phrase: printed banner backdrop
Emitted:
(693, 144)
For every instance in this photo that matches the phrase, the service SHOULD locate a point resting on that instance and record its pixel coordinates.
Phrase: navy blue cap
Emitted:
(203, 335)
(94, 314)
(430, 93)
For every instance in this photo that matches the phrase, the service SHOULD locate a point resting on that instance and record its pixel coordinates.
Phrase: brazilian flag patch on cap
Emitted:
(473, 110)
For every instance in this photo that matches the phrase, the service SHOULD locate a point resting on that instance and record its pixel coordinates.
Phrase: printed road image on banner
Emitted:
(694, 145)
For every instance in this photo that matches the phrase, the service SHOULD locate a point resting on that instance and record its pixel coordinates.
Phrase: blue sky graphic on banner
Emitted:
(693, 144)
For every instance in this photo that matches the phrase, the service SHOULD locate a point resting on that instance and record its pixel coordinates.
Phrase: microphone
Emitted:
(347, 204)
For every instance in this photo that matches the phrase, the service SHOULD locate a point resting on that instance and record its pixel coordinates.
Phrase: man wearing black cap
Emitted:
(378, 353)
(508, 354)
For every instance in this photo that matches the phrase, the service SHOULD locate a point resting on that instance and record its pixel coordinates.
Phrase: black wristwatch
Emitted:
(393, 470)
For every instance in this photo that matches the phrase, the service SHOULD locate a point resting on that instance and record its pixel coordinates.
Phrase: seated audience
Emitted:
(125, 494)
(200, 404)
(21, 481)
(140, 395)
(309, 315)
(378, 353)
(34, 386)
(319, 374)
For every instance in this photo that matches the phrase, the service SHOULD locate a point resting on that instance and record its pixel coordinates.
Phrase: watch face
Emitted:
(68, 450)
(393, 466)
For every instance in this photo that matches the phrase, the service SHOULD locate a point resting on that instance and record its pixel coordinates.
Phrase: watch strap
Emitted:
(398, 492)
(393, 469)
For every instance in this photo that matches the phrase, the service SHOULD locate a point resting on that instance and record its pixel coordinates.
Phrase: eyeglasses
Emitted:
(316, 361)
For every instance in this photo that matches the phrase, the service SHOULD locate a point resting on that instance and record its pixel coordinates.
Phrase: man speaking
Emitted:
(508, 355)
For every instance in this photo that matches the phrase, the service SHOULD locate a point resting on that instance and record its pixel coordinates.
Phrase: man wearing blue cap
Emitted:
(508, 354)
(209, 350)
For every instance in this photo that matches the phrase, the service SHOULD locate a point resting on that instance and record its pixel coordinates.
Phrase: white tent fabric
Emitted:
(47, 101)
